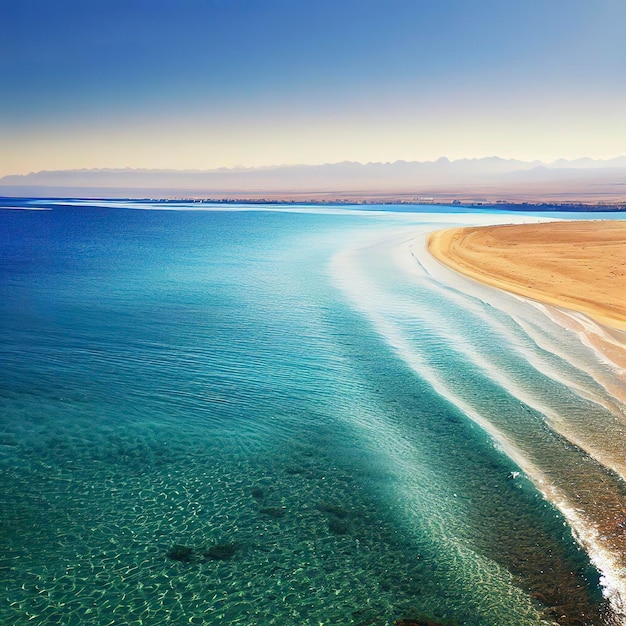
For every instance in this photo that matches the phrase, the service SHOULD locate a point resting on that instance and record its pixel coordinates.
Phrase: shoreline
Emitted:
(574, 265)
(576, 269)
(520, 264)
(576, 203)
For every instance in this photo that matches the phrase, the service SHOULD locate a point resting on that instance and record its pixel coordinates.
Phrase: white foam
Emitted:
(449, 334)
(413, 259)
(588, 328)
(363, 294)
(613, 574)
(539, 330)
(348, 278)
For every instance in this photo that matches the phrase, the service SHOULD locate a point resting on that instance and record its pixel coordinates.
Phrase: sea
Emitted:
(290, 415)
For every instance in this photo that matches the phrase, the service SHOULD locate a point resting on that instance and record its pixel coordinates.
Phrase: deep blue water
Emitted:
(268, 381)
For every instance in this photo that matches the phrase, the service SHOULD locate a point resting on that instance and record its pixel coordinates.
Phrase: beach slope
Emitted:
(578, 265)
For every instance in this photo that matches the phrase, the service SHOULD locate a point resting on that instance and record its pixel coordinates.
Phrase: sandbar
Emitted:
(575, 266)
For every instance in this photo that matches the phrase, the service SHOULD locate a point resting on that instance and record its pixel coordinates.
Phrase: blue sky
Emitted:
(212, 83)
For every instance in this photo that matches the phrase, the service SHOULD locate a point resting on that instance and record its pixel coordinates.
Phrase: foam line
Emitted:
(362, 293)
(518, 309)
(410, 259)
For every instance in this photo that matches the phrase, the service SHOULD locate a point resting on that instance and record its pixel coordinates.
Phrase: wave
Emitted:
(567, 438)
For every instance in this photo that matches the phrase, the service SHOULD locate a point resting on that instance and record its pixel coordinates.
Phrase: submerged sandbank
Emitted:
(577, 266)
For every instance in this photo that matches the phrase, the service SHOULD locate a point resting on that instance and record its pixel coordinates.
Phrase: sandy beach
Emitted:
(577, 266)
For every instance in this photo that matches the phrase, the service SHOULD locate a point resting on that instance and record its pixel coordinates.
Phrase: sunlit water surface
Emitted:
(292, 416)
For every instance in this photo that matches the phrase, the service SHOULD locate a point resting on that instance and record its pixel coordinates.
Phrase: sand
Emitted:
(577, 266)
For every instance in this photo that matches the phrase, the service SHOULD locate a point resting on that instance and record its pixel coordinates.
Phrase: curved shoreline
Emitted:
(579, 267)
(576, 273)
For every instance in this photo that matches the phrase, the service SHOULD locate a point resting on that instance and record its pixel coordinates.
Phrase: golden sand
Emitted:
(577, 265)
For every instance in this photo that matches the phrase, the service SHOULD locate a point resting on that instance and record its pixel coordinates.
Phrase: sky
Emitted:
(204, 84)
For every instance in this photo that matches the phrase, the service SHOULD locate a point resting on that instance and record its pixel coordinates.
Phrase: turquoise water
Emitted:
(284, 417)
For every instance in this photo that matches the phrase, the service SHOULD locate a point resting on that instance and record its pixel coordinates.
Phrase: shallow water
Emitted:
(302, 387)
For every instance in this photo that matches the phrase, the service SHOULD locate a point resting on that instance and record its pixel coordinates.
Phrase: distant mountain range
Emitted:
(486, 178)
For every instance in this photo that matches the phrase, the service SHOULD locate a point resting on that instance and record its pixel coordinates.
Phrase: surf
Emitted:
(399, 315)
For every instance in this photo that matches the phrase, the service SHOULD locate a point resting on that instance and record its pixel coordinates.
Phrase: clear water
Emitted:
(300, 387)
